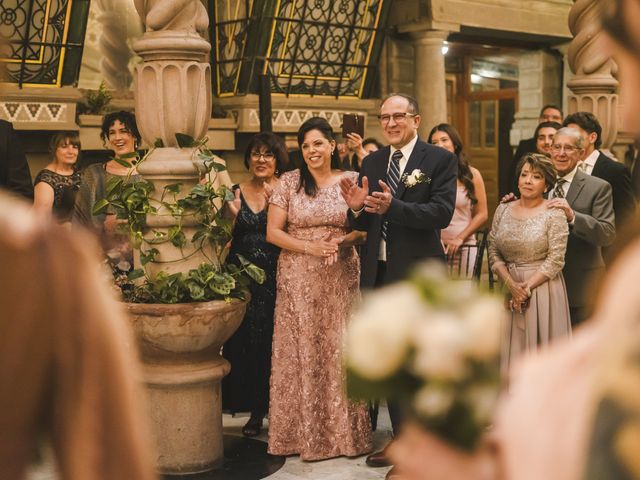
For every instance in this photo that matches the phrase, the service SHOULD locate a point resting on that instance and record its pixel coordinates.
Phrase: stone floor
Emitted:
(293, 468)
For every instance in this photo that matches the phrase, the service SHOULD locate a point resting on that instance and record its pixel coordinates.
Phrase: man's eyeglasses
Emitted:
(567, 148)
(397, 117)
(268, 157)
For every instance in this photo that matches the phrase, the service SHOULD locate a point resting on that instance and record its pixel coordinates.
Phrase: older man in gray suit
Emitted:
(588, 205)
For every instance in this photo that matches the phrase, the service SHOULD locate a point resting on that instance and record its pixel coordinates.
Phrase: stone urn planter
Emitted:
(180, 346)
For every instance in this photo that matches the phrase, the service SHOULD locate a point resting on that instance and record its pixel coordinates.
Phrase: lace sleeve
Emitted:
(557, 235)
(495, 258)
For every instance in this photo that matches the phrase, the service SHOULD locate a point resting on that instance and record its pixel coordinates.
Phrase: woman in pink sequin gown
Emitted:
(317, 283)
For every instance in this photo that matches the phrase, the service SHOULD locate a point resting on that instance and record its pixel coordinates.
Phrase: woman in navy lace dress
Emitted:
(56, 185)
(246, 388)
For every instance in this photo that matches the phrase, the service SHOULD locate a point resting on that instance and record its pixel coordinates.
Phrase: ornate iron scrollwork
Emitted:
(307, 47)
(44, 40)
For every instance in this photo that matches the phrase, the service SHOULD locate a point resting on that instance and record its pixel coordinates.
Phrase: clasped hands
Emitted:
(326, 247)
(358, 197)
(520, 293)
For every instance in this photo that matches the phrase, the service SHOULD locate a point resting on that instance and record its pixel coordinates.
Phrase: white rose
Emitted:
(439, 343)
(483, 321)
(410, 181)
(416, 174)
(378, 337)
(432, 401)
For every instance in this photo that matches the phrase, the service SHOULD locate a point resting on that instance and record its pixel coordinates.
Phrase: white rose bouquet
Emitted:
(433, 344)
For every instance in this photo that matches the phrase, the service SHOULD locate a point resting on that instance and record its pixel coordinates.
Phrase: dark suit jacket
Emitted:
(591, 200)
(619, 177)
(14, 169)
(416, 215)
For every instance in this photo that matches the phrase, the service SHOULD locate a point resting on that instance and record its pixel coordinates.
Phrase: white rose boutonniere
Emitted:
(414, 178)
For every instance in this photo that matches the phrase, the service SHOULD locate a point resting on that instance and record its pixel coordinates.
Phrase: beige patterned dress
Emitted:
(309, 412)
(537, 243)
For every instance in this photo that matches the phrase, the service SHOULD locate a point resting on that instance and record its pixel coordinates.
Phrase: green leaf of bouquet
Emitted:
(158, 143)
(184, 140)
(133, 154)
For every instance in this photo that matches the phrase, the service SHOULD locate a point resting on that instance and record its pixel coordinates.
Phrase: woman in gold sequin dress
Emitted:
(317, 283)
(527, 244)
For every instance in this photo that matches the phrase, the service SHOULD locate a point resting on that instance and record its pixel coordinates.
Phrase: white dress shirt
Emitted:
(406, 153)
(590, 162)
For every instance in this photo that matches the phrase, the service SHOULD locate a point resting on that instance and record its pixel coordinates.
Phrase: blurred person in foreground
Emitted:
(68, 369)
(588, 386)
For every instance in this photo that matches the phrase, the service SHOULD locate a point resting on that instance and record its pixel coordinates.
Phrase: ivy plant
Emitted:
(132, 201)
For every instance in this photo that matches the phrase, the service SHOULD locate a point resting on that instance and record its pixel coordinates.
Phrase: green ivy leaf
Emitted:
(135, 274)
(256, 273)
(148, 256)
(100, 206)
(196, 290)
(173, 188)
(122, 162)
(185, 141)
(216, 166)
(222, 283)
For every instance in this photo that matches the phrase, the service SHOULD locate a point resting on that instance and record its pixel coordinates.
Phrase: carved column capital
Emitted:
(594, 84)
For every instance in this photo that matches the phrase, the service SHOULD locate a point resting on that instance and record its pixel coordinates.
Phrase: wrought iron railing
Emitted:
(43, 40)
(307, 47)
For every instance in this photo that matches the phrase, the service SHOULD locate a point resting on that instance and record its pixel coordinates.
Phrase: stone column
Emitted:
(112, 44)
(429, 79)
(180, 347)
(593, 84)
(539, 83)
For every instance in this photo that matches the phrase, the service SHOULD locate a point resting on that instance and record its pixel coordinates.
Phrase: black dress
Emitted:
(65, 188)
(246, 388)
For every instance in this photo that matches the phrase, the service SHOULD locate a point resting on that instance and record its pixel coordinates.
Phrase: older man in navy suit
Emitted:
(405, 195)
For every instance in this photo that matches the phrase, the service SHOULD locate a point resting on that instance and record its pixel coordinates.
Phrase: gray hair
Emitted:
(413, 103)
(572, 133)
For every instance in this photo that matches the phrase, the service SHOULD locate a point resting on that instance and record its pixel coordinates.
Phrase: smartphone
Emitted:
(352, 123)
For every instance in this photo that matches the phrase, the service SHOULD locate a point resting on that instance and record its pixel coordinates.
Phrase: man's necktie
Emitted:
(558, 192)
(393, 179)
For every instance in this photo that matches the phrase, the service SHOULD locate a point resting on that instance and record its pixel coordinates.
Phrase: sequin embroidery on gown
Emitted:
(246, 388)
(309, 412)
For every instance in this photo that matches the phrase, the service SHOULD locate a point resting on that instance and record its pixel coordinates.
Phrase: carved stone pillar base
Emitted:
(180, 346)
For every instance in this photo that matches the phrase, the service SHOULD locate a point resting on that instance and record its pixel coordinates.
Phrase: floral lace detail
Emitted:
(310, 413)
